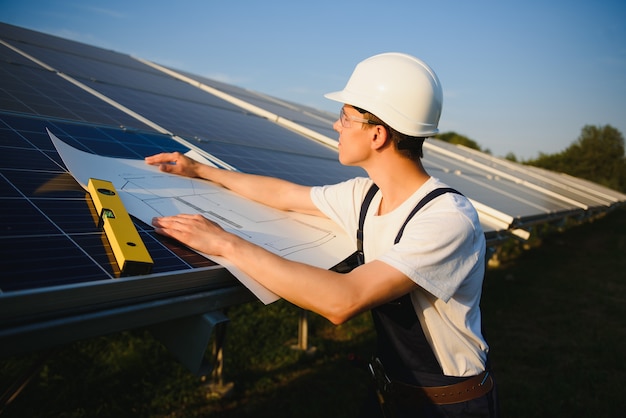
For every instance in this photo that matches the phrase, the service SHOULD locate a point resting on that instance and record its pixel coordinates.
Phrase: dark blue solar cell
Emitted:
(78, 216)
(48, 260)
(21, 218)
(7, 190)
(9, 137)
(23, 123)
(46, 184)
(25, 159)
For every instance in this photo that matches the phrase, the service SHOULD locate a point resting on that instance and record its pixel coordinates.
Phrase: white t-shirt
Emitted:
(442, 250)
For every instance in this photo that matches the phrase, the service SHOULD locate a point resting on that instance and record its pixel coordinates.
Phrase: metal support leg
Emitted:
(188, 338)
(303, 333)
(216, 388)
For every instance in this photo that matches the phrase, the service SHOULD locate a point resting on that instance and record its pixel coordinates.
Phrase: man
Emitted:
(422, 273)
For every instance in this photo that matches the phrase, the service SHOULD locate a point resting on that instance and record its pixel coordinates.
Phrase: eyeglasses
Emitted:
(346, 120)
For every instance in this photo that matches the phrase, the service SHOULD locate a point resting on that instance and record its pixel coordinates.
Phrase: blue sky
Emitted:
(518, 76)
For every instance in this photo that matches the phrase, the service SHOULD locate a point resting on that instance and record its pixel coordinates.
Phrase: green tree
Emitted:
(511, 157)
(597, 155)
(454, 138)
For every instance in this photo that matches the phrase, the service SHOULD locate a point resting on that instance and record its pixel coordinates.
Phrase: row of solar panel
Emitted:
(112, 104)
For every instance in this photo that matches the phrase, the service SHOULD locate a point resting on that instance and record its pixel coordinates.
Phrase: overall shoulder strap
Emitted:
(368, 200)
(357, 258)
(364, 206)
(430, 196)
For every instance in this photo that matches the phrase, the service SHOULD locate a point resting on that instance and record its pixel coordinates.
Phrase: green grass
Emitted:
(557, 322)
(555, 318)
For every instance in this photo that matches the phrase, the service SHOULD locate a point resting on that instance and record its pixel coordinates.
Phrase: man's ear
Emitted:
(379, 137)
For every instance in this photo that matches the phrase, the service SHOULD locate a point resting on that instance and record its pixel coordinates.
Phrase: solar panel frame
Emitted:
(586, 193)
(515, 199)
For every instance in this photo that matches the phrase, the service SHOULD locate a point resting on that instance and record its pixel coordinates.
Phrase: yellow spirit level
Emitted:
(128, 248)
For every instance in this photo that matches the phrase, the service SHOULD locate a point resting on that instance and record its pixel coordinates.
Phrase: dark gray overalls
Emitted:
(409, 380)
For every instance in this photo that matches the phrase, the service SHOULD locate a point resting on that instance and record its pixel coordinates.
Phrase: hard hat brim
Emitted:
(360, 101)
(352, 99)
(336, 96)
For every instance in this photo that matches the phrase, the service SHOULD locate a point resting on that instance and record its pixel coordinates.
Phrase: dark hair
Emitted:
(409, 146)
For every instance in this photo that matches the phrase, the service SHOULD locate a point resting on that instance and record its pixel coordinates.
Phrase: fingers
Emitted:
(164, 226)
(163, 158)
(179, 222)
(194, 231)
(172, 162)
(184, 224)
(178, 227)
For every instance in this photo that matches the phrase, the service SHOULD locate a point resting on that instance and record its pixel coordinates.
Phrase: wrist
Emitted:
(229, 245)
(203, 171)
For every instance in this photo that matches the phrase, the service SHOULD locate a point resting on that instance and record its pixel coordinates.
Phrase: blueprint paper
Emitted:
(147, 192)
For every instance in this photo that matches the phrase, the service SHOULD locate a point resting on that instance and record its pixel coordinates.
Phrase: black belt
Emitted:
(403, 393)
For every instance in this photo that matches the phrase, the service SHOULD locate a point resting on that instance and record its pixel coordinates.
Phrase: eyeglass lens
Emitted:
(343, 119)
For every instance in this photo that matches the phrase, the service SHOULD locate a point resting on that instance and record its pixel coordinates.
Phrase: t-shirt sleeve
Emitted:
(341, 202)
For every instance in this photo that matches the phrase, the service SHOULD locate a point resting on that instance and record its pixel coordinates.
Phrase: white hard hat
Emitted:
(401, 90)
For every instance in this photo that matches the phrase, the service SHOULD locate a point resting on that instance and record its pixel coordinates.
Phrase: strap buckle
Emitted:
(380, 377)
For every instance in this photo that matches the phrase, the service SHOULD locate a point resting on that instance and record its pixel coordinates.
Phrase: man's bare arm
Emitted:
(270, 191)
(337, 297)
